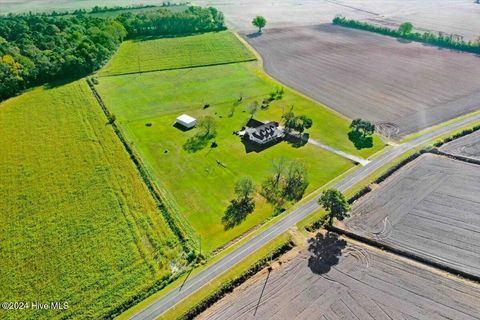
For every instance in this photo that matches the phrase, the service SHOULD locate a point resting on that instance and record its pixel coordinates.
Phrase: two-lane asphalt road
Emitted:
(175, 296)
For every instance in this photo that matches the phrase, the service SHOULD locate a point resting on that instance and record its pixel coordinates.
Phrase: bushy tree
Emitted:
(287, 183)
(259, 22)
(244, 188)
(208, 125)
(294, 123)
(366, 128)
(333, 201)
(405, 28)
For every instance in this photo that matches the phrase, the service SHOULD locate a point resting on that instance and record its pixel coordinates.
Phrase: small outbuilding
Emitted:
(186, 121)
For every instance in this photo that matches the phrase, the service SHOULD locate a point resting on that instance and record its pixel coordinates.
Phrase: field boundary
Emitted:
(175, 68)
(179, 233)
(404, 254)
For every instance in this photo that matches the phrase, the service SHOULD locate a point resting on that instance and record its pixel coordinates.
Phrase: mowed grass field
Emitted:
(201, 188)
(77, 224)
(179, 52)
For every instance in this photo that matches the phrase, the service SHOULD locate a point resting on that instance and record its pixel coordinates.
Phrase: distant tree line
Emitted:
(98, 9)
(451, 41)
(35, 49)
(167, 22)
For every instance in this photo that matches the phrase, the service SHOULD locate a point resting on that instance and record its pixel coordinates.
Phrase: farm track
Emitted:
(366, 75)
(102, 75)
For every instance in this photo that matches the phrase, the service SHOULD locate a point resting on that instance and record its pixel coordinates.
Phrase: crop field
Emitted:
(341, 280)
(79, 225)
(430, 208)
(403, 87)
(468, 146)
(451, 16)
(173, 53)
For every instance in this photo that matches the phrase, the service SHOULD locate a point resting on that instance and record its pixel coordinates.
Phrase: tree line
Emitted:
(405, 31)
(35, 49)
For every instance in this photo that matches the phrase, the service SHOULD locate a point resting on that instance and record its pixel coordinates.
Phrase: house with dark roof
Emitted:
(262, 133)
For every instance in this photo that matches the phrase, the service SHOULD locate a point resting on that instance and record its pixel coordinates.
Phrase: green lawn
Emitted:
(200, 188)
(77, 223)
(180, 52)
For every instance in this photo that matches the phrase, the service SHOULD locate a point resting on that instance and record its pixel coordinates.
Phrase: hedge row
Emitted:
(315, 225)
(450, 41)
(143, 172)
(456, 136)
(404, 253)
(232, 284)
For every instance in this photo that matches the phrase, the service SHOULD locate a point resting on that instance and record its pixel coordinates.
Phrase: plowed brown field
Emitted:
(430, 208)
(403, 86)
(365, 284)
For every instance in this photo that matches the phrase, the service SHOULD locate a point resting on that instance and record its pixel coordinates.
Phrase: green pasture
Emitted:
(198, 183)
(143, 55)
(77, 223)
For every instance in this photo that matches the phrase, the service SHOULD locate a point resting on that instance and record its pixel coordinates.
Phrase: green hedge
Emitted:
(450, 41)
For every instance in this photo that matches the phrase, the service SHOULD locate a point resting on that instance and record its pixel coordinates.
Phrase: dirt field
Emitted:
(357, 283)
(451, 16)
(430, 208)
(407, 86)
(468, 146)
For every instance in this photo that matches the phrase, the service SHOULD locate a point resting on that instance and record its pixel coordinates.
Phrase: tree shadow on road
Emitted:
(359, 140)
(325, 252)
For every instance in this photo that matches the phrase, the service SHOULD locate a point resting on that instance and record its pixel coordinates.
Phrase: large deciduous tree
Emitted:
(333, 201)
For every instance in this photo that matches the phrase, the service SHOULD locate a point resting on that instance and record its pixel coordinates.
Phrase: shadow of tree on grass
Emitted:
(359, 140)
(237, 211)
(325, 252)
(297, 141)
(197, 142)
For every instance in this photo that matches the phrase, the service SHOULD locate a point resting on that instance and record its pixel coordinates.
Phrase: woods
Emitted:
(35, 49)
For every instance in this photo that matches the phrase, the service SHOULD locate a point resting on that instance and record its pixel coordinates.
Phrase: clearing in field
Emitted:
(468, 146)
(200, 183)
(79, 225)
(145, 55)
(337, 279)
(429, 208)
(403, 87)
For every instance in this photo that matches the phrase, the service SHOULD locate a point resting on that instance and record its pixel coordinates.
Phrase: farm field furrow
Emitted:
(144, 55)
(79, 225)
(430, 208)
(468, 146)
(338, 279)
(361, 74)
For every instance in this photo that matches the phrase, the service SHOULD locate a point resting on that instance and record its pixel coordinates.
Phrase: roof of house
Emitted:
(264, 131)
(185, 118)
